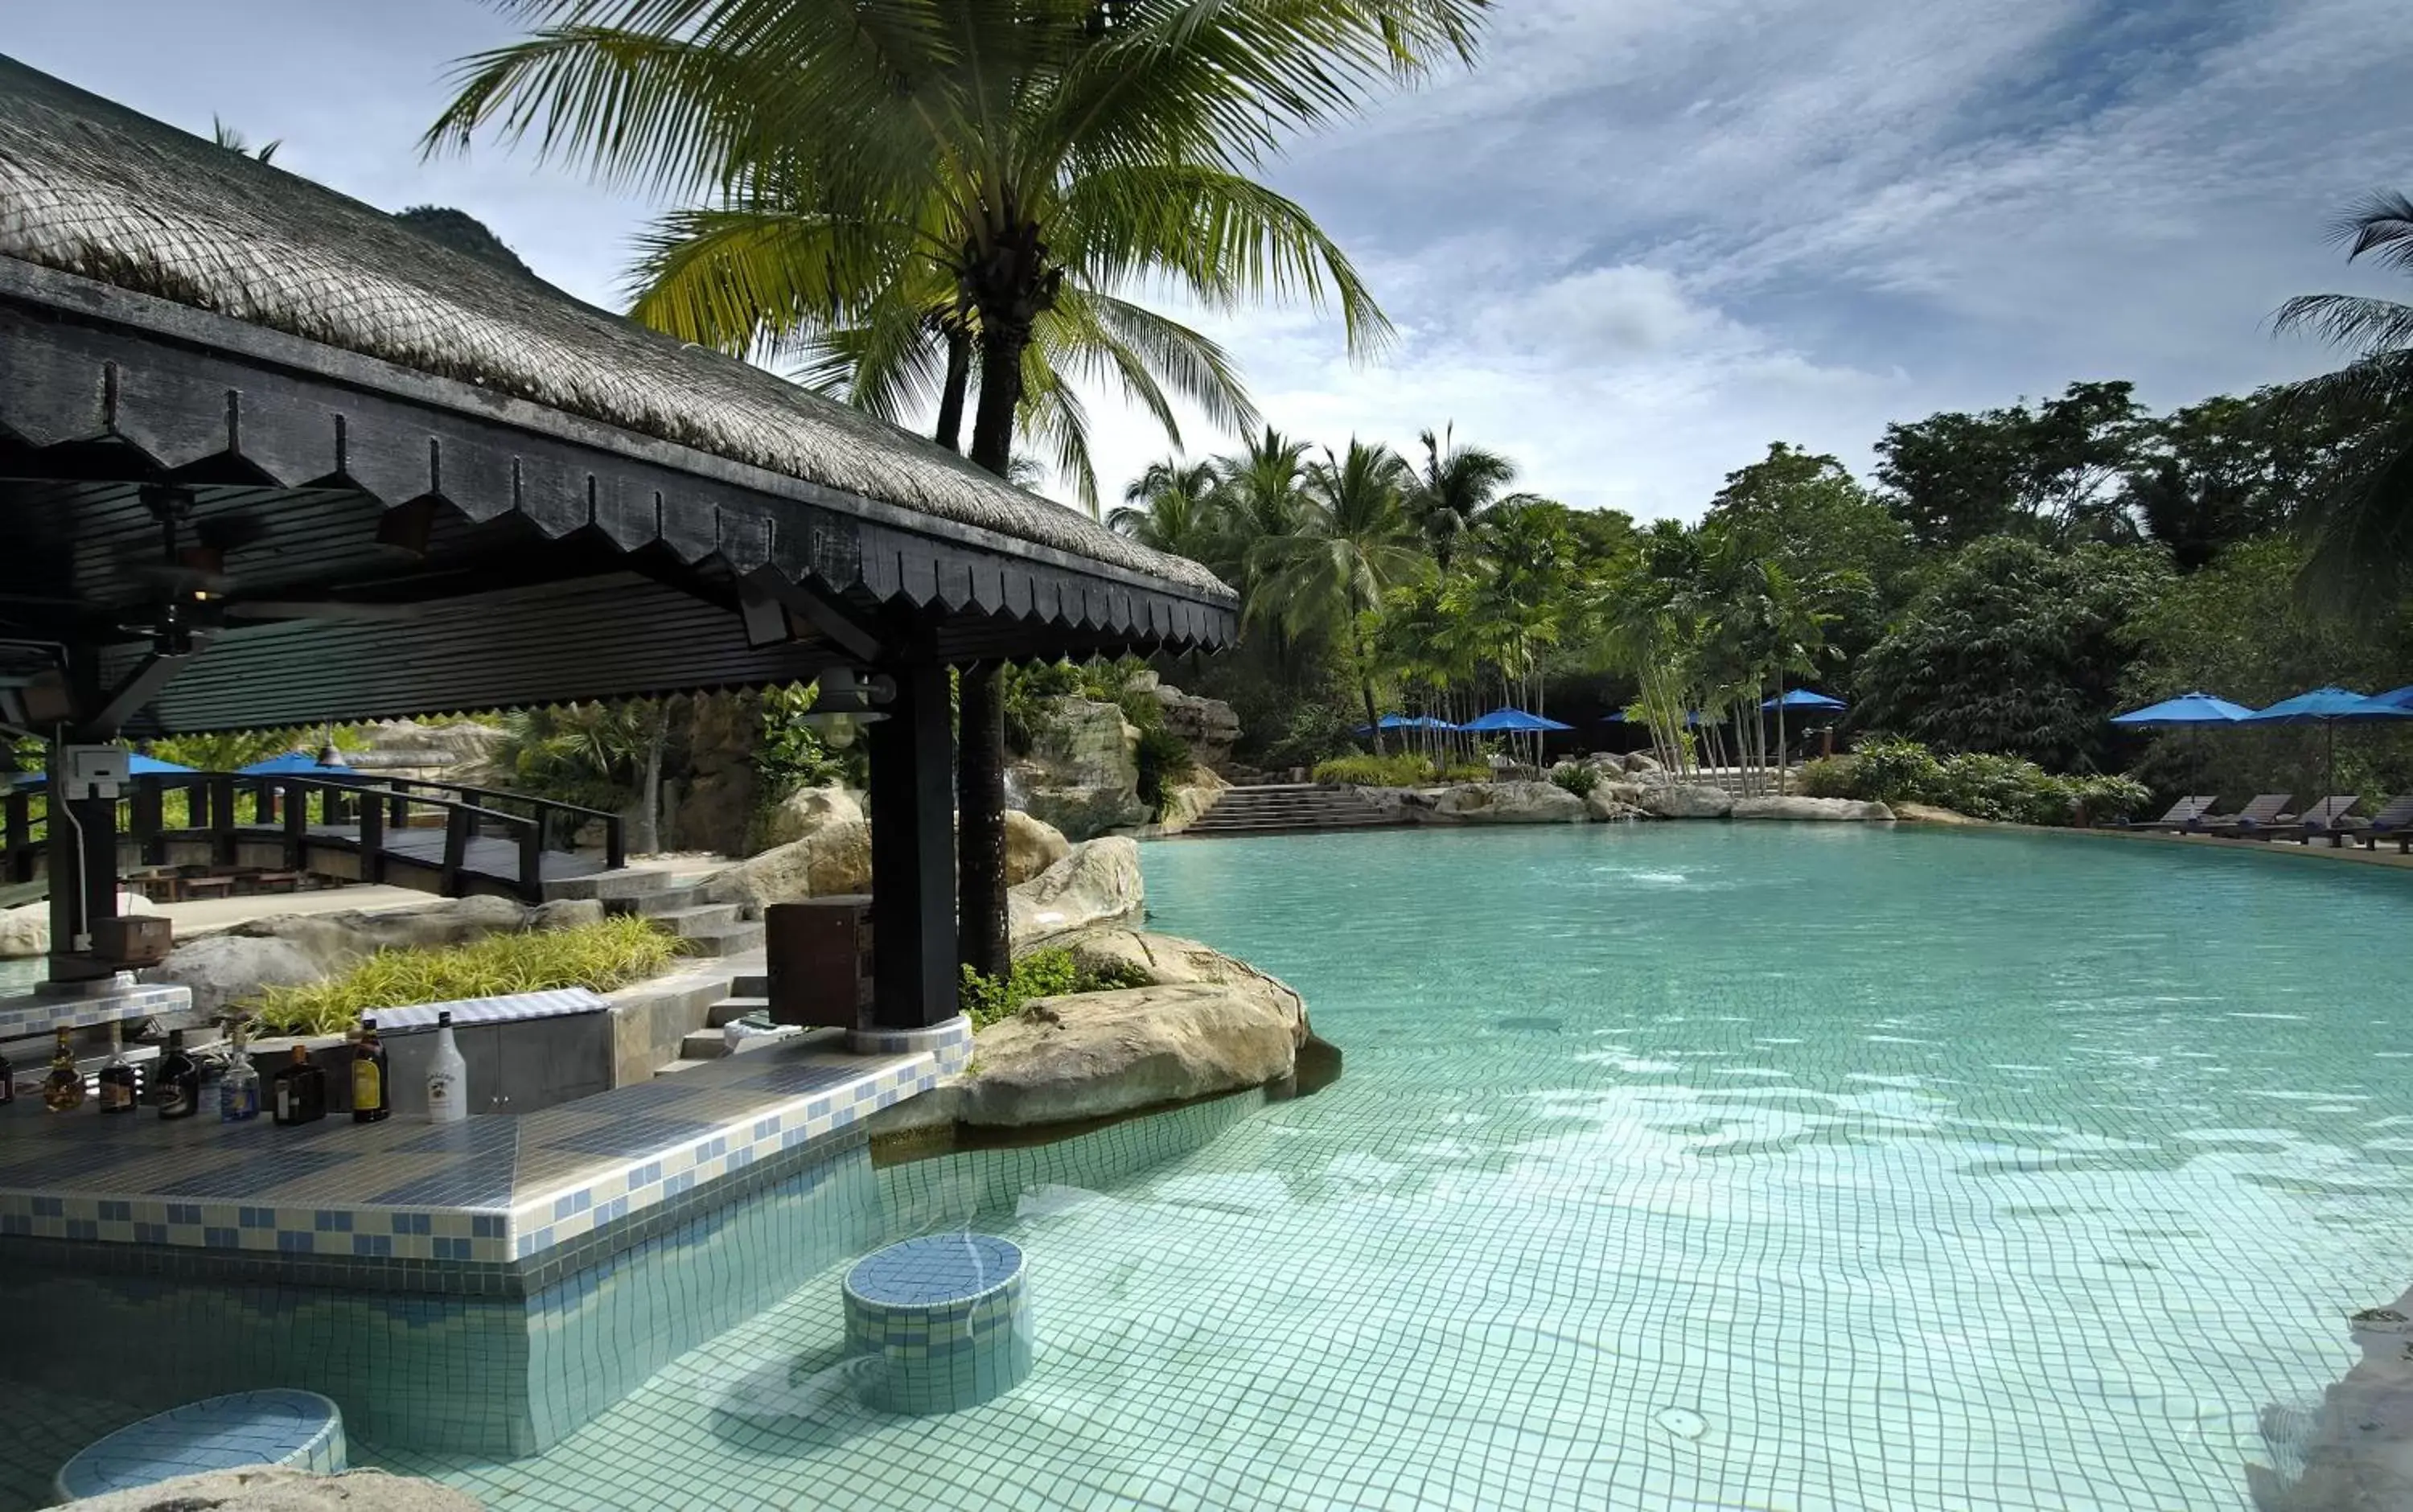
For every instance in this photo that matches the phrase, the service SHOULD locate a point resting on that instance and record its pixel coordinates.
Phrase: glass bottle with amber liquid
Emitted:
(372, 1101)
(239, 1087)
(63, 1088)
(176, 1081)
(121, 1091)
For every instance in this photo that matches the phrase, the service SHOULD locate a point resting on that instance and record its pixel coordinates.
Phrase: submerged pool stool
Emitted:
(948, 1318)
(280, 1427)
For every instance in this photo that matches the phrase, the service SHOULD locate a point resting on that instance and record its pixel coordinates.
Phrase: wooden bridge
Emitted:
(444, 838)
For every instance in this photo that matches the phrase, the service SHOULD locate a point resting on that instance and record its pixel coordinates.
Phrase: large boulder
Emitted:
(279, 1489)
(1641, 762)
(1816, 808)
(1927, 813)
(1208, 726)
(460, 751)
(284, 950)
(25, 931)
(1206, 1024)
(1082, 775)
(1509, 803)
(834, 859)
(713, 807)
(1685, 800)
(1031, 845)
(807, 811)
(1187, 802)
(1099, 883)
(1613, 801)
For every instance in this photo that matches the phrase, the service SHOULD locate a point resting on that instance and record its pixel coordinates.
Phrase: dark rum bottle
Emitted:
(371, 1099)
(301, 1090)
(7, 1082)
(176, 1081)
(120, 1088)
(63, 1088)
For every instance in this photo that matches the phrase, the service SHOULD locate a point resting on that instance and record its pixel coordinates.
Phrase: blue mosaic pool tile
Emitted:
(117, 1212)
(251, 1177)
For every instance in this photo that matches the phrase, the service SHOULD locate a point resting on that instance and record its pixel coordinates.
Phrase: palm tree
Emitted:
(1170, 506)
(743, 277)
(1008, 150)
(1453, 489)
(233, 141)
(1261, 495)
(2363, 531)
(1352, 544)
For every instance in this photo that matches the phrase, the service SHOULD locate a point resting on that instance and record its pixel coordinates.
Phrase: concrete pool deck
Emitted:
(2386, 855)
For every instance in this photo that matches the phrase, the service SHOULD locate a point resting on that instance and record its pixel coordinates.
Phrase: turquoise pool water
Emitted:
(1687, 1165)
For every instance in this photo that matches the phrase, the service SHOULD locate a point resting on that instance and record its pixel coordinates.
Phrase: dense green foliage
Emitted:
(1980, 784)
(1041, 974)
(599, 957)
(1401, 769)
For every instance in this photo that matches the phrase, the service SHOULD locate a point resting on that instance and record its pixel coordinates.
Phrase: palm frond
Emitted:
(2352, 321)
(2382, 223)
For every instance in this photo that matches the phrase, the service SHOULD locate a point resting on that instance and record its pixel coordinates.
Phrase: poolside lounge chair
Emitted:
(2183, 813)
(2394, 821)
(2266, 810)
(2322, 818)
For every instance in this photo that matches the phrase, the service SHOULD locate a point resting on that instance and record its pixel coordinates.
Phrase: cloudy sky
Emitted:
(1641, 241)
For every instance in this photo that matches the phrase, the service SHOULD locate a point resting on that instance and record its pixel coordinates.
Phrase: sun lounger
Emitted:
(2266, 810)
(2394, 821)
(2320, 819)
(2183, 813)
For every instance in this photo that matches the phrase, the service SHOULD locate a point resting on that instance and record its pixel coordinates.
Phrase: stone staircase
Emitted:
(707, 928)
(1289, 807)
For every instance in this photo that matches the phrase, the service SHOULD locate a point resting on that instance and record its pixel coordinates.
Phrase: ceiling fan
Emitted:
(195, 592)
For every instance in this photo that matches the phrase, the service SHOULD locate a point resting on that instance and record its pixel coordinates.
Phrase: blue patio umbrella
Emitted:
(1512, 721)
(2328, 708)
(1802, 698)
(2397, 697)
(136, 766)
(296, 763)
(2186, 709)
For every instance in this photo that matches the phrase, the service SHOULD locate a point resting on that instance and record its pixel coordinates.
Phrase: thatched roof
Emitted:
(92, 188)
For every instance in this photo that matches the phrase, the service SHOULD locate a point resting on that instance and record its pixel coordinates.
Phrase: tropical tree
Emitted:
(1453, 489)
(2363, 525)
(1327, 576)
(1010, 149)
(1170, 506)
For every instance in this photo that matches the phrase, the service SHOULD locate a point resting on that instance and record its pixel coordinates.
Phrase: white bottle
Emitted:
(448, 1077)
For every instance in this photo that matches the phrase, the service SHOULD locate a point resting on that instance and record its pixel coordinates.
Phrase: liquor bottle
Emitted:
(176, 1081)
(301, 1094)
(448, 1076)
(7, 1082)
(120, 1088)
(239, 1088)
(63, 1088)
(370, 1095)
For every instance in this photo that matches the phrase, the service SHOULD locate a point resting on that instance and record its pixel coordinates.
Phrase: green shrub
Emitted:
(1895, 771)
(1401, 769)
(1828, 776)
(601, 957)
(1042, 973)
(1981, 784)
(1579, 780)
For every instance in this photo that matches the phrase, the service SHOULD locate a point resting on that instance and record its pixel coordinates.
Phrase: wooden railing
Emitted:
(373, 807)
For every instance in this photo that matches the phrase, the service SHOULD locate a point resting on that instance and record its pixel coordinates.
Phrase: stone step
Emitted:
(750, 984)
(724, 940)
(728, 1008)
(609, 885)
(683, 1063)
(668, 900)
(687, 923)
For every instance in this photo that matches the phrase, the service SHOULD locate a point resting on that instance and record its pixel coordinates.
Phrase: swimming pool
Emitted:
(1678, 1164)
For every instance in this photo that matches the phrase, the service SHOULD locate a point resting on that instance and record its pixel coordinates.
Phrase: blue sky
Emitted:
(1641, 241)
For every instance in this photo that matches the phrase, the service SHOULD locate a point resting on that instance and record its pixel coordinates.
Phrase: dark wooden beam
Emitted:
(912, 853)
(838, 624)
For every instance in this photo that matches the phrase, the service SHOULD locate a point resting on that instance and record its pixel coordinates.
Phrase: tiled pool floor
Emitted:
(1674, 1166)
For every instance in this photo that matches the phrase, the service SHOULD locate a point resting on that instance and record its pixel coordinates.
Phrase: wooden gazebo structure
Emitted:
(269, 457)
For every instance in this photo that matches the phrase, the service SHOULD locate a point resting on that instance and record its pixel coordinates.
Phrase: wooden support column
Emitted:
(980, 807)
(912, 853)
